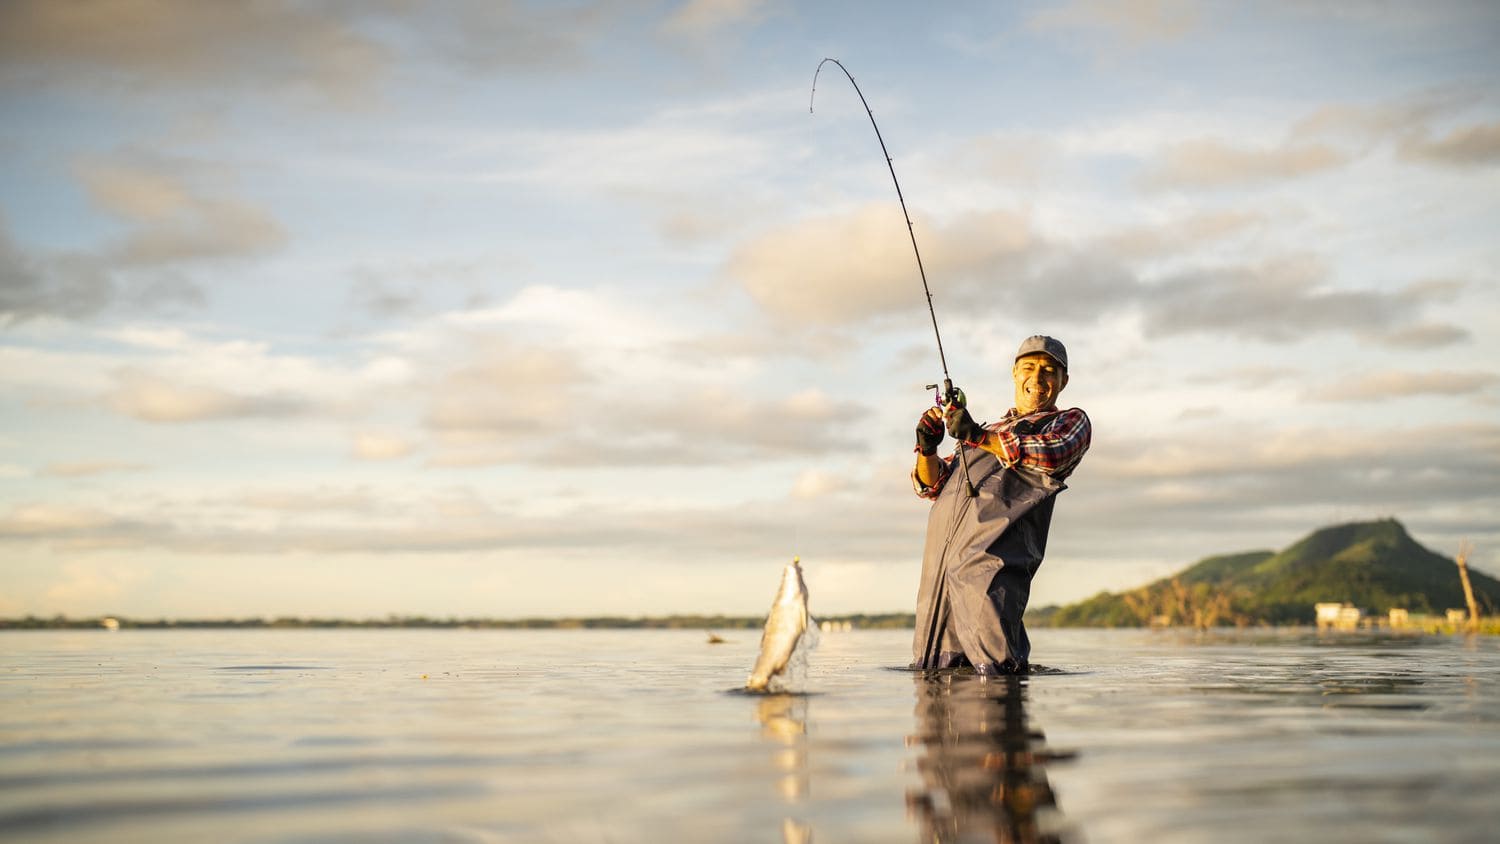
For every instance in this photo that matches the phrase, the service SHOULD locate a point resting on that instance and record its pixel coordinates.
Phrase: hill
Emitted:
(1376, 566)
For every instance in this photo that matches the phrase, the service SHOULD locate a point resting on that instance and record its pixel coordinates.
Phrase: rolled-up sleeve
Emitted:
(1054, 449)
(945, 468)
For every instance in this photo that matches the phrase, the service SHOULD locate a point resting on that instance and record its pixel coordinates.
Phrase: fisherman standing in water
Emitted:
(984, 547)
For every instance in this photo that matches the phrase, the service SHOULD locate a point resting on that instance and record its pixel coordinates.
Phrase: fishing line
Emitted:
(937, 619)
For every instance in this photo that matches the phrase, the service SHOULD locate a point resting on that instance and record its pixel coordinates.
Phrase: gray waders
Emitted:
(977, 567)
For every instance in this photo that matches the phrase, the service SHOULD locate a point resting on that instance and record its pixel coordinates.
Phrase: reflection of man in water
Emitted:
(983, 550)
(983, 764)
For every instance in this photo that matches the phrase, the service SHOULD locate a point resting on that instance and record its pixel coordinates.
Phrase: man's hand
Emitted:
(962, 426)
(930, 432)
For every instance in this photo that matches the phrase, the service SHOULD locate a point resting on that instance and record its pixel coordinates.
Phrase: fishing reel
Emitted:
(948, 396)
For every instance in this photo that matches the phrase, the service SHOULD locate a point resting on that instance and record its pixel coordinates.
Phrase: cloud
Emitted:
(857, 269)
(152, 398)
(370, 445)
(1369, 124)
(1470, 146)
(76, 527)
(716, 426)
(816, 483)
(1382, 386)
(134, 45)
(866, 520)
(579, 378)
(1408, 127)
(321, 499)
(1179, 236)
(89, 468)
(338, 54)
(32, 286)
(504, 35)
(1427, 336)
(1140, 22)
(1284, 300)
(627, 426)
(859, 265)
(699, 18)
(1209, 163)
(173, 221)
(1219, 477)
(662, 154)
(172, 375)
(501, 404)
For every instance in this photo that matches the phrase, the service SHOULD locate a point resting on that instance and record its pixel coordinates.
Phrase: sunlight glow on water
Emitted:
(635, 736)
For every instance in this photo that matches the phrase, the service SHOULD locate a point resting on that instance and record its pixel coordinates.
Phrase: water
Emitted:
(537, 736)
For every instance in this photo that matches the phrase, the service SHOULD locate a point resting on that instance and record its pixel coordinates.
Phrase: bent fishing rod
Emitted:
(937, 618)
(951, 394)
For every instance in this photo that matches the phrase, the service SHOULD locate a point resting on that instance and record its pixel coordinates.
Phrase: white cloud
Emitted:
(88, 468)
(1381, 386)
(1180, 236)
(370, 445)
(1140, 22)
(816, 483)
(699, 18)
(155, 399)
(855, 266)
(1209, 163)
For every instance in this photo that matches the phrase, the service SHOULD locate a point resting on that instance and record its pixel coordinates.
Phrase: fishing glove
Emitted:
(962, 426)
(929, 435)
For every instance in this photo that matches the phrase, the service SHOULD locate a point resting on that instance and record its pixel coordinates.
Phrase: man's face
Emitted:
(1038, 379)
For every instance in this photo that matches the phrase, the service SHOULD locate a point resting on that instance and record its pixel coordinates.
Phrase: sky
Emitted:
(513, 309)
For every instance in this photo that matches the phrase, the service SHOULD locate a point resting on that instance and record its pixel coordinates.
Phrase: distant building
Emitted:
(1458, 616)
(1399, 617)
(110, 623)
(1338, 616)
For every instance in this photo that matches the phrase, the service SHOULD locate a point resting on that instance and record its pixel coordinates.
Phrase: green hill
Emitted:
(1375, 566)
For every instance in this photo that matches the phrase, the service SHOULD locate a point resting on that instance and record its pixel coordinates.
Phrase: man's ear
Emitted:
(1064, 381)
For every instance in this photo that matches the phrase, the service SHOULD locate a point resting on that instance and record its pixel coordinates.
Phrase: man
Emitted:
(984, 546)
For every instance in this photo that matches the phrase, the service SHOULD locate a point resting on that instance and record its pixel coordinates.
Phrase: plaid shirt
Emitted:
(1052, 441)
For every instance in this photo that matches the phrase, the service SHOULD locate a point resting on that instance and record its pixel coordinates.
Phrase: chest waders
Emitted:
(980, 556)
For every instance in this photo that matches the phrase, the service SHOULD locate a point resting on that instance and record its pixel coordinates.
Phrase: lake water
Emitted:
(625, 736)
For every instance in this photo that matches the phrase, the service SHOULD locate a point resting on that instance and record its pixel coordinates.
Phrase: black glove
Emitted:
(929, 435)
(962, 426)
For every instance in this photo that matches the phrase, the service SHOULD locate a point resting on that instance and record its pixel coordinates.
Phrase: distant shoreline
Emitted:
(856, 621)
(860, 621)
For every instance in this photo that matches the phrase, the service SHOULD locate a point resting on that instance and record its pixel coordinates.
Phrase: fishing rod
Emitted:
(937, 618)
(951, 395)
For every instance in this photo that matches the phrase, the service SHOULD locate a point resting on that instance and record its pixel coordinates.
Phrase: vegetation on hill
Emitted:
(1375, 566)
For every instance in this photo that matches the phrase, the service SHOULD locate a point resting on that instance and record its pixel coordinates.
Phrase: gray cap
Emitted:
(1049, 346)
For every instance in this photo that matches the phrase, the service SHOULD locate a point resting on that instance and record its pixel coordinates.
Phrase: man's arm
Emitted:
(1055, 450)
(929, 470)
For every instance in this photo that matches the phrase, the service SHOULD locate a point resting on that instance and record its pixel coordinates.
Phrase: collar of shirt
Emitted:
(1013, 416)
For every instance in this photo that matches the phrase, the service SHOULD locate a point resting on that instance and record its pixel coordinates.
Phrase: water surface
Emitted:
(453, 735)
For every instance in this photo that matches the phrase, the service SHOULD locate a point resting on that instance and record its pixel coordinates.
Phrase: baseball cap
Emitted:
(1049, 346)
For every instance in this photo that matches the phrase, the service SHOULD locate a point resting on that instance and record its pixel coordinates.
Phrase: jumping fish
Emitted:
(785, 624)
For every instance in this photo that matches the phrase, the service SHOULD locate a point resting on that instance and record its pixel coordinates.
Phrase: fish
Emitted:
(786, 624)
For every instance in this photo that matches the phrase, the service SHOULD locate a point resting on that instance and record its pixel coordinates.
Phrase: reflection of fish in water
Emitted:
(785, 626)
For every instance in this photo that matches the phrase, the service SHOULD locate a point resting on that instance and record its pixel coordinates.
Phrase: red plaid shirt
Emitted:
(1052, 441)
